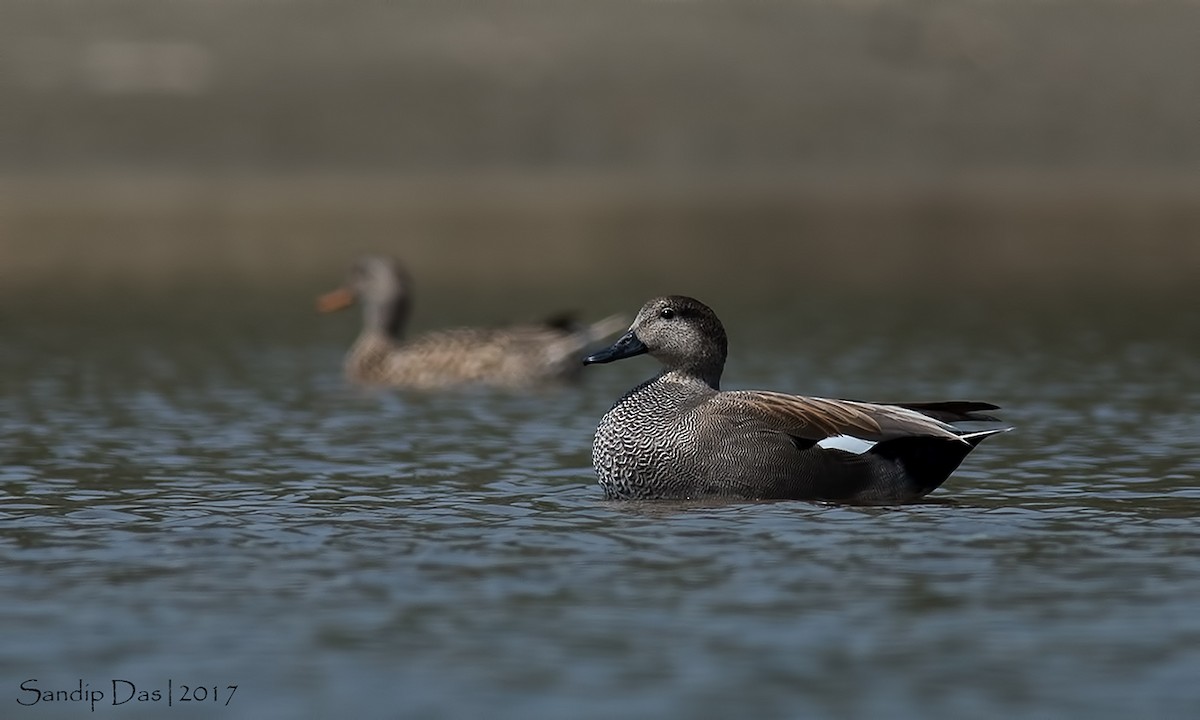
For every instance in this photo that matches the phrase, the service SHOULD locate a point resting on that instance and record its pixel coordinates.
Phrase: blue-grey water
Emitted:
(196, 498)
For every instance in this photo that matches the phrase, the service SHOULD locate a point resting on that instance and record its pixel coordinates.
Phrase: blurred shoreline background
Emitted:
(787, 148)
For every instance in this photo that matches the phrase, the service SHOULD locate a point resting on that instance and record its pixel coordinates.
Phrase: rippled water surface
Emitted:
(201, 499)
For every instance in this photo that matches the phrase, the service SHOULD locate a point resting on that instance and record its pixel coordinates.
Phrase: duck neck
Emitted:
(386, 319)
(688, 375)
(367, 356)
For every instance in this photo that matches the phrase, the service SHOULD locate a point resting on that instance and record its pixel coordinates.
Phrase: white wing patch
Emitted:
(849, 443)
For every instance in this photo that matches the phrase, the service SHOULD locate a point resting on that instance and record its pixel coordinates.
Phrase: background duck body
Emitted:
(509, 357)
(677, 436)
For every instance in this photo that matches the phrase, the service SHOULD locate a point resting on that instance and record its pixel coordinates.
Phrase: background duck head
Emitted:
(382, 286)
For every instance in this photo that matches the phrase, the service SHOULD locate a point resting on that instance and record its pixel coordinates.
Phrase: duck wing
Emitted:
(774, 445)
(815, 419)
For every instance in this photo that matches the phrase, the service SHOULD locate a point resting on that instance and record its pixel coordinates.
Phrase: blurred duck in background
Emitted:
(516, 356)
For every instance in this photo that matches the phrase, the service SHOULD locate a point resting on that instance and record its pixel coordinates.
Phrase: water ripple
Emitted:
(201, 513)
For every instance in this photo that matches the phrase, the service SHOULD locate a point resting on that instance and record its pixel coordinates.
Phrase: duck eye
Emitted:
(666, 313)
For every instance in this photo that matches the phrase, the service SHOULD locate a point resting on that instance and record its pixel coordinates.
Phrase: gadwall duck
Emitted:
(509, 357)
(679, 436)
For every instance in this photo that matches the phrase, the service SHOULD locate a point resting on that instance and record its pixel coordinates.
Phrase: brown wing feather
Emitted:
(819, 418)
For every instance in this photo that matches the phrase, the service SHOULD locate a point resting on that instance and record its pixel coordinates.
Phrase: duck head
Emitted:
(680, 332)
(381, 285)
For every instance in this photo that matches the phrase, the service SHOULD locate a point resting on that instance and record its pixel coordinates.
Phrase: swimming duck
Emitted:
(509, 357)
(679, 436)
